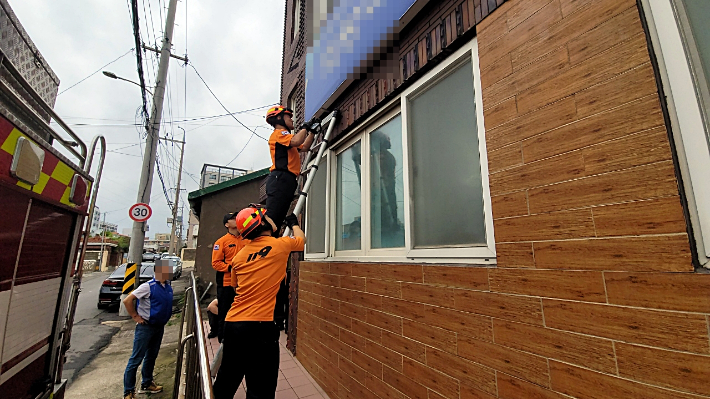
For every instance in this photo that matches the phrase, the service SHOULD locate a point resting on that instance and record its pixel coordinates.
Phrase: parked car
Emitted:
(149, 256)
(176, 263)
(110, 292)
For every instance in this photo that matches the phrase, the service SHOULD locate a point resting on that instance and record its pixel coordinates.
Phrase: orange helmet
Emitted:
(248, 219)
(278, 110)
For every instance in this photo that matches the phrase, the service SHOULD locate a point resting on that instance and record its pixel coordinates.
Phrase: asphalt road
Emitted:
(93, 327)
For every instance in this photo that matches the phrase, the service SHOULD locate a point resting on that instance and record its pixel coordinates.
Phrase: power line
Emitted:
(225, 108)
(139, 60)
(97, 71)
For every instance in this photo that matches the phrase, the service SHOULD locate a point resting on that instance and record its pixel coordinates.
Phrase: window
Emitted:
(411, 183)
(444, 149)
(296, 19)
(348, 213)
(681, 42)
(316, 209)
(387, 186)
(291, 100)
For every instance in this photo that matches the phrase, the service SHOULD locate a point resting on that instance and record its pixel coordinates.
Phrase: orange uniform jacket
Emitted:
(259, 269)
(224, 250)
(283, 157)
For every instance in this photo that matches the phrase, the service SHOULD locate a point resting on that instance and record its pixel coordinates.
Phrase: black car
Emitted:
(110, 293)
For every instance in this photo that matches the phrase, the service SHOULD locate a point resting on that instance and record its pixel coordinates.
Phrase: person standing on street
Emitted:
(150, 305)
(251, 348)
(284, 147)
(222, 253)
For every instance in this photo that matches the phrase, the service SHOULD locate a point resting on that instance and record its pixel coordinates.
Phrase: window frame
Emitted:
(483, 254)
(296, 21)
(686, 114)
(328, 196)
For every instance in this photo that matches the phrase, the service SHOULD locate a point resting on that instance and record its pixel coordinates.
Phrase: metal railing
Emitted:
(192, 350)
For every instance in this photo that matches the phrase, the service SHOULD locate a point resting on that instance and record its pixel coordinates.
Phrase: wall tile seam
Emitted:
(518, 117)
(581, 150)
(610, 304)
(639, 382)
(546, 31)
(503, 293)
(620, 237)
(548, 358)
(576, 120)
(581, 208)
(587, 177)
(597, 55)
(570, 38)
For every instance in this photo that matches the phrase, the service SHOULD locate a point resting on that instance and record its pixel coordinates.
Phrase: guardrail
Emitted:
(192, 350)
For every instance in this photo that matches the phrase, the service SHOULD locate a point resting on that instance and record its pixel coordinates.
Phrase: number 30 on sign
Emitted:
(140, 212)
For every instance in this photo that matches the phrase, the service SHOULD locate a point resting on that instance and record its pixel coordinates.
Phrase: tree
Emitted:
(123, 243)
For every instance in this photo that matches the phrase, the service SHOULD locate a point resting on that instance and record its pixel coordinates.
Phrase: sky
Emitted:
(235, 46)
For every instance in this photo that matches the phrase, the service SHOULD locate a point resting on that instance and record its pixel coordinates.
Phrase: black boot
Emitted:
(212, 318)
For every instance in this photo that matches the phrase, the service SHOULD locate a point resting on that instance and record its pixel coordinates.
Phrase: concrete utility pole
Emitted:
(135, 251)
(103, 238)
(173, 242)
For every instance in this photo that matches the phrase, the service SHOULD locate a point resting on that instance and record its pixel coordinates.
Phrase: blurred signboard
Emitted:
(343, 38)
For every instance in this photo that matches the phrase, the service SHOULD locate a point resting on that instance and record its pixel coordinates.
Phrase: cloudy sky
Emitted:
(236, 47)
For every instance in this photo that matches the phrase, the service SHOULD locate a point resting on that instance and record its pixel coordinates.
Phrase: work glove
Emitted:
(312, 125)
(291, 220)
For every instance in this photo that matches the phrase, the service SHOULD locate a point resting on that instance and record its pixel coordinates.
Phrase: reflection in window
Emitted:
(387, 186)
(348, 188)
(316, 211)
(447, 191)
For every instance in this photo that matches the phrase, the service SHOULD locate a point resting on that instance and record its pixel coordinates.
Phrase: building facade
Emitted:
(515, 209)
(106, 226)
(215, 174)
(96, 221)
(209, 205)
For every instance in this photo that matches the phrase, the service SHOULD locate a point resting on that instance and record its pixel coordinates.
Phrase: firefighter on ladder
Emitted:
(286, 163)
(250, 345)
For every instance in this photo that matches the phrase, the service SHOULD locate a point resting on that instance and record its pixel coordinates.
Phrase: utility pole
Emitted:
(103, 237)
(173, 241)
(135, 251)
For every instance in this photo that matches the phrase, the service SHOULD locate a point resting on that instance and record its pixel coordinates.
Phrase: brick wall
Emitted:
(594, 294)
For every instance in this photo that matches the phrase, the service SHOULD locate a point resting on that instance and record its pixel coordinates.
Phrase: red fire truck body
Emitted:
(46, 195)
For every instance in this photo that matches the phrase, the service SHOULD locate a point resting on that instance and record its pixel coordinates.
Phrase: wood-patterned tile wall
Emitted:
(594, 294)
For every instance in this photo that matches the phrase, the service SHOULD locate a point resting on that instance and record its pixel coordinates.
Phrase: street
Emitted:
(93, 327)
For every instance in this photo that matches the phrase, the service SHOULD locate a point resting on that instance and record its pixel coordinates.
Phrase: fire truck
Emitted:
(47, 196)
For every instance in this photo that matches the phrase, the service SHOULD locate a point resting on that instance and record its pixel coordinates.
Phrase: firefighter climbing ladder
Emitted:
(331, 120)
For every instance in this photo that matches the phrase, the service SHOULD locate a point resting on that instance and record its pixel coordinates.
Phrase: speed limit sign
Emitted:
(140, 212)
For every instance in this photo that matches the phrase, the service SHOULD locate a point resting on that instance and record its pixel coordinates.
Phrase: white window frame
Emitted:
(326, 169)
(296, 19)
(483, 254)
(686, 115)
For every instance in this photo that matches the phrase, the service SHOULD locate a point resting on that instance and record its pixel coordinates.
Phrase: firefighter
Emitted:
(250, 346)
(286, 163)
(222, 253)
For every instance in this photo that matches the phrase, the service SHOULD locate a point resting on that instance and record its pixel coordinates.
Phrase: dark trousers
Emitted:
(281, 309)
(251, 350)
(146, 345)
(280, 191)
(225, 297)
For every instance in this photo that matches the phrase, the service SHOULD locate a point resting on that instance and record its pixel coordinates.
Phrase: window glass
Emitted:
(296, 18)
(348, 188)
(447, 193)
(316, 212)
(387, 186)
(699, 17)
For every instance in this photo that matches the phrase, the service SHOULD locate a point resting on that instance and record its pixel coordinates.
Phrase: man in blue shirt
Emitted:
(151, 311)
